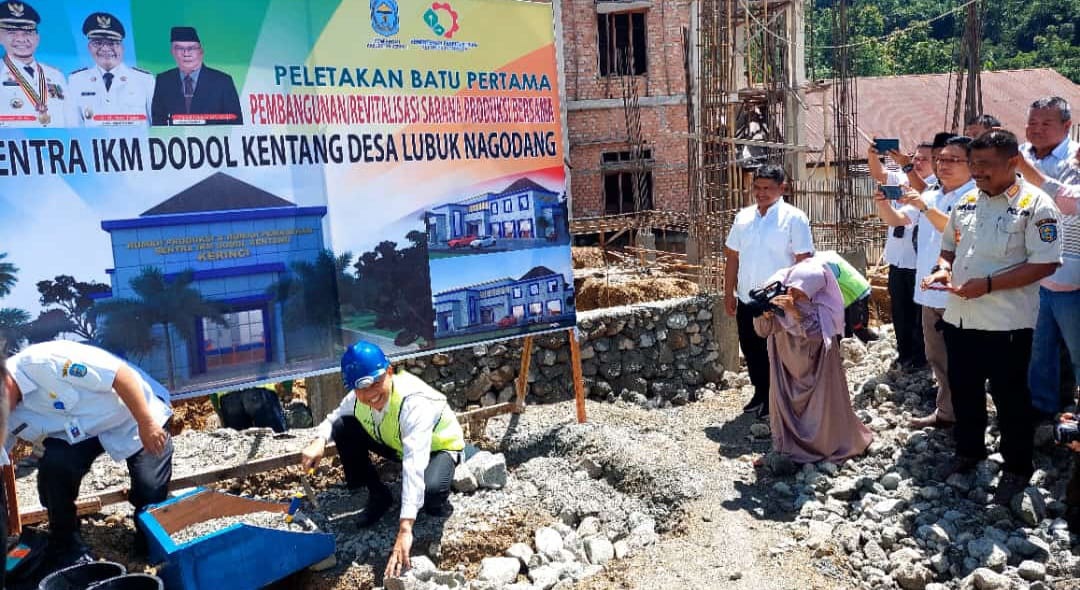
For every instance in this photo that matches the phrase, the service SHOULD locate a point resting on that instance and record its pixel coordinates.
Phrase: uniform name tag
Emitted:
(89, 94)
(74, 431)
(10, 83)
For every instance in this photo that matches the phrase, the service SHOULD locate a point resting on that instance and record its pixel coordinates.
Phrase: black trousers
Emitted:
(254, 407)
(906, 315)
(63, 466)
(755, 350)
(353, 447)
(3, 529)
(1002, 357)
(857, 316)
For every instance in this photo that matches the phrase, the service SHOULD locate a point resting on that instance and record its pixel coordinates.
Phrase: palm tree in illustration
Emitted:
(171, 303)
(7, 275)
(310, 295)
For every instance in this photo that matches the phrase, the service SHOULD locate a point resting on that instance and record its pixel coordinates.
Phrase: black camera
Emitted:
(1066, 432)
(761, 299)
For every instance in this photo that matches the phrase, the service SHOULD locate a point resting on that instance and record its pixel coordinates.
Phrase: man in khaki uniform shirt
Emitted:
(996, 247)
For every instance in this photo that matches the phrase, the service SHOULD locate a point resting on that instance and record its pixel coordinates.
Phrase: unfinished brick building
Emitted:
(603, 42)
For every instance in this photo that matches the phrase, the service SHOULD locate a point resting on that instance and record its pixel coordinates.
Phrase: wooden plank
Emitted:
(579, 380)
(12, 507)
(488, 412)
(179, 515)
(523, 374)
(92, 504)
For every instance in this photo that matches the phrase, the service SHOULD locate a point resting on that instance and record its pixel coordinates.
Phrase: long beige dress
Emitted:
(809, 408)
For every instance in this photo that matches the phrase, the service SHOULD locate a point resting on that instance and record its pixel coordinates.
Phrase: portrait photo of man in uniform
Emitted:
(110, 92)
(192, 93)
(32, 94)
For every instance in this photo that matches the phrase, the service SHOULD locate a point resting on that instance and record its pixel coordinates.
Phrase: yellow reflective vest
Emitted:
(447, 435)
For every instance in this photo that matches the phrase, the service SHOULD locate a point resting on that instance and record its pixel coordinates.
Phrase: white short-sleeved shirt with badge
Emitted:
(899, 242)
(767, 243)
(125, 102)
(67, 394)
(991, 235)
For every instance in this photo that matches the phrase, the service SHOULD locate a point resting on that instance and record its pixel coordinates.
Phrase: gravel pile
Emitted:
(896, 527)
(266, 520)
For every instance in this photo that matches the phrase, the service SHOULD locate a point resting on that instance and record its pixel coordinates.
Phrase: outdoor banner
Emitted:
(227, 193)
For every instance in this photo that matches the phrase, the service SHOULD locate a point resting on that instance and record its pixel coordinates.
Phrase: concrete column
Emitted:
(726, 336)
(324, 393)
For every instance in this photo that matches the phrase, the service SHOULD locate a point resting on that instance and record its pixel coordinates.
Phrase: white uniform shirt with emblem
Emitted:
(16, 108)
(67, 394)
(126, 102)
(991, 235)
(767, 243)
(929, 244)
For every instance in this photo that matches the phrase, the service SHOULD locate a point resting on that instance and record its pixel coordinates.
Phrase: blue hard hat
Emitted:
(362, 364)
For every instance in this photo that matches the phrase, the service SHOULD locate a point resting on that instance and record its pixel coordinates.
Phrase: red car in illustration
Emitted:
(461, 242)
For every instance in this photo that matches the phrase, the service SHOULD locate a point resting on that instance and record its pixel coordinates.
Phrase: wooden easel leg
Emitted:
(579, 380)
(14, 524)
(523, 375)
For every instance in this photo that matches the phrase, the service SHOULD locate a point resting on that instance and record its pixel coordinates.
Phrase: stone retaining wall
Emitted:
(652, 354)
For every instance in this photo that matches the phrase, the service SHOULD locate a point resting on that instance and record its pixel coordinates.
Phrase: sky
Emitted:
(460, 271)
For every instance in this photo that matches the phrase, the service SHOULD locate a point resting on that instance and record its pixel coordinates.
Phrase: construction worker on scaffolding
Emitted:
(398, 417)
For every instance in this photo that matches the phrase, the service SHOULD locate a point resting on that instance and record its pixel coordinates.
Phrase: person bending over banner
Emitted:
(79, 401)
(399, 417)
(191, 93)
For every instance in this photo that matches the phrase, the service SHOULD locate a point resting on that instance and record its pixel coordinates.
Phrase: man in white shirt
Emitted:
(32, 94)
(79, 401)
(900, 248)
(400, 418)
(934, 206)
(763, 239)
(1052, 162)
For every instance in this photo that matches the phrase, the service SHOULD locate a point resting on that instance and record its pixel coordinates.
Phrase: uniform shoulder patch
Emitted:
(1048, 232)
(1045, 221)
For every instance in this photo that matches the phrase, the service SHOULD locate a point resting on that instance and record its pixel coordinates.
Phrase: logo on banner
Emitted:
(445, 26)
(384, 17)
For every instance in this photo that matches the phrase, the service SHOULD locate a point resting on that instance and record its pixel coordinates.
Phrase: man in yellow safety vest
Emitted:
(401, 418)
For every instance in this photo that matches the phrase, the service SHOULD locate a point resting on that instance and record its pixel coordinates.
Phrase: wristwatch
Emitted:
(907, 168)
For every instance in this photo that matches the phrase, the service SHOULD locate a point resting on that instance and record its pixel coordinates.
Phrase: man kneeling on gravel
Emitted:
(399, 417)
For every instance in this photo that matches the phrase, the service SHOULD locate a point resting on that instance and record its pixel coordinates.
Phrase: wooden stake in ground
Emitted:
(7, 472)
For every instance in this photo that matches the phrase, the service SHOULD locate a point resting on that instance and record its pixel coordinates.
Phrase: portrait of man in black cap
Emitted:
(110, 92)
(191, 93)
(32, 94)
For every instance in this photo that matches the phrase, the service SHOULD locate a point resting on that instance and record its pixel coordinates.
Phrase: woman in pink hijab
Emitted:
(809, 406)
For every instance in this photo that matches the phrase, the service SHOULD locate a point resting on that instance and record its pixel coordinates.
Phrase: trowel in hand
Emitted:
(308, 491)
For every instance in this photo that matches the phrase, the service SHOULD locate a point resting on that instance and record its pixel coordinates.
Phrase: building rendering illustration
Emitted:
(523, 211)
(539, 296)
(237, 240)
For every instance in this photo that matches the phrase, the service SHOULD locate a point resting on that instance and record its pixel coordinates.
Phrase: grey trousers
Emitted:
(938, 359)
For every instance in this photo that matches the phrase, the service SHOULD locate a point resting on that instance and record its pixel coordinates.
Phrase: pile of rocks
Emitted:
(899, 527)
(559, 556)
(655, 355)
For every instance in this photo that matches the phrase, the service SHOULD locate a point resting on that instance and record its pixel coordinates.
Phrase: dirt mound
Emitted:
(589, 257)
(191, 414)
(596, 293)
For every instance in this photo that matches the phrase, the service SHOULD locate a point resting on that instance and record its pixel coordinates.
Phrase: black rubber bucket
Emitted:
(81, 576)
(130, 582)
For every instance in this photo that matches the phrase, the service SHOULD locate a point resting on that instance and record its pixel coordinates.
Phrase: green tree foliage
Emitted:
(395, 285)
(8, 276)
(73, 298)
(170, 303)
(13, 325)
(892, 38)
(309, 295)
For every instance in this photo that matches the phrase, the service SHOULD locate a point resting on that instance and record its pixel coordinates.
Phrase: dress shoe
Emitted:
(867, 335)
(955, 464)
(753, 406)
(378, 505)
(1009, 485)
(930, 421)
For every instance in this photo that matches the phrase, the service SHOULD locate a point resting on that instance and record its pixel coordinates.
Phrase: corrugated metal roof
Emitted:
(913, 107)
